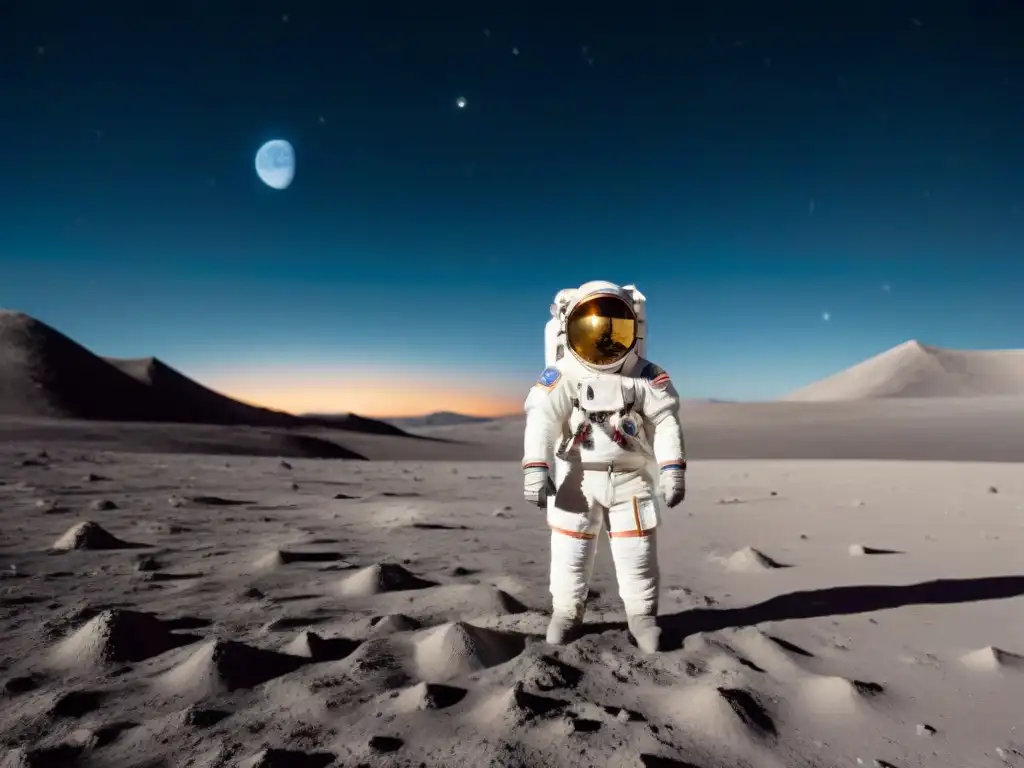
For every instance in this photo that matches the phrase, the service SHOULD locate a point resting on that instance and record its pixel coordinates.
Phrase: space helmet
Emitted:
(601, 326)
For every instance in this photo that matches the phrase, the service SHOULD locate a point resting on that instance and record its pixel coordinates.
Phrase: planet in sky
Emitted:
(275, 164)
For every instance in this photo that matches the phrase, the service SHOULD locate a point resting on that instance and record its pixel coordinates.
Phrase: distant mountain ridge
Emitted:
(44, 373)
(438, 419)
(916, 370)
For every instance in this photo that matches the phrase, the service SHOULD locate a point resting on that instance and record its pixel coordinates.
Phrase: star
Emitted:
(886, 288)
(461, 102)
(515, 51)
(826, 316)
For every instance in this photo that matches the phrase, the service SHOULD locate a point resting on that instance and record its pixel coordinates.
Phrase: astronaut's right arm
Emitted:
(547, 408)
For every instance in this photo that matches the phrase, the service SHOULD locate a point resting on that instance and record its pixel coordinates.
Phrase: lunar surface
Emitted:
(243, 594)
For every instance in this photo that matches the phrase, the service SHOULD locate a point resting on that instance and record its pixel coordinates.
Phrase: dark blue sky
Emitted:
(751, 166)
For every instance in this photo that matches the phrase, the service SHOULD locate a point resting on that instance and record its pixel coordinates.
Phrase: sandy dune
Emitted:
(182, 610)
(915, 370)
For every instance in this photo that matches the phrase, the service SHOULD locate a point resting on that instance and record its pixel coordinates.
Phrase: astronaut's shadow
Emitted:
(832, 601)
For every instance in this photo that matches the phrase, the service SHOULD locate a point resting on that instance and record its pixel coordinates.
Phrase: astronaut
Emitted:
(602, 436)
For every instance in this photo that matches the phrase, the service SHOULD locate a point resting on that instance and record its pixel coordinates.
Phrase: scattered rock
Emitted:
(427, 696)
(94, 478)
(310, 645)
(380, 578)
(147, 563)
(197, 717)
(455, 649)
(750, 559)
(385, 744)
(859, 550)
(223, 666)
(89, 535)
(102, 505)
(218, 501)
(993, 489)
(280, 558)
(116, 637)
(547, 673)
(991, 659)
(382, 626)
(923, 729)
(285, 465)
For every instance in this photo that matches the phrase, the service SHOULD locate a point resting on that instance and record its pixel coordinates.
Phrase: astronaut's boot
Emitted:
(564, 626)
(646, 632)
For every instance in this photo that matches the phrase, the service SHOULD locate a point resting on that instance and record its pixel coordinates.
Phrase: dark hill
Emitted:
(45, 374)
(180, 399)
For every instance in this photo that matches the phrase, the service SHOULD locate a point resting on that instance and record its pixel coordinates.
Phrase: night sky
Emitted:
(795, 186)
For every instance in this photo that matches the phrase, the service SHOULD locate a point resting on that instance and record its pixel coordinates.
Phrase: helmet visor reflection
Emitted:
(601, 329)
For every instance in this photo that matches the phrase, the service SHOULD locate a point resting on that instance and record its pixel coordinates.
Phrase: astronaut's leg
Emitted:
(572, 565)
(575, 522)
(632, 530)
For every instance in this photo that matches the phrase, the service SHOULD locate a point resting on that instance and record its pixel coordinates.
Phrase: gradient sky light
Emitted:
(751, 166)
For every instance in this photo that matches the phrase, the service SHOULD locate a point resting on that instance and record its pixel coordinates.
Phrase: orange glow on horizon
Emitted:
(389, 397)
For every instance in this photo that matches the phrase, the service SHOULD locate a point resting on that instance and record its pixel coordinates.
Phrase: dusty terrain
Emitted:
(210, 611)
(248, 588)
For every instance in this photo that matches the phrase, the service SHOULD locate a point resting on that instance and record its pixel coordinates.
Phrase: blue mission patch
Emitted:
(549, 377)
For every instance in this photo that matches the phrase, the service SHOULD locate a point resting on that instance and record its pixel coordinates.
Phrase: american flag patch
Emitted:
(656, 375)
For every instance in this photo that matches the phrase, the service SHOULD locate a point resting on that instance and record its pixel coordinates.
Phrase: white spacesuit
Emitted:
(602, 434)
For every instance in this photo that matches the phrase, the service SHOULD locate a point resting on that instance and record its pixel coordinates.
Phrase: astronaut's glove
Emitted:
(537, 483)
(672, 482)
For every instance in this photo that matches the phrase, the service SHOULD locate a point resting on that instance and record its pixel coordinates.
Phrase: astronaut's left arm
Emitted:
(660, 406)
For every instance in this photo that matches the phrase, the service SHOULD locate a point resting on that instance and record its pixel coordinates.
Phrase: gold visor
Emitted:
(601, 329)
